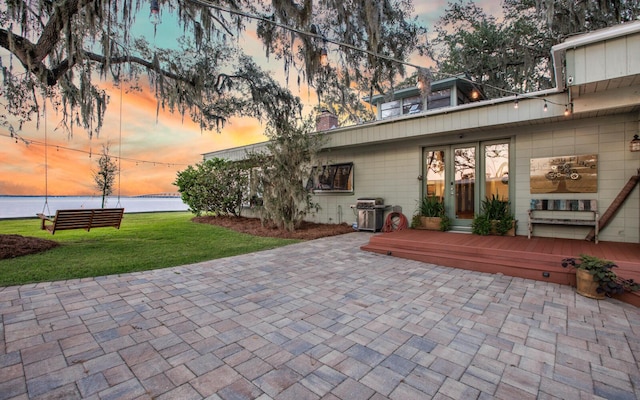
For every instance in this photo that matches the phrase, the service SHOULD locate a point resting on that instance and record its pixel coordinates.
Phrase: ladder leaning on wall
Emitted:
(616, 204)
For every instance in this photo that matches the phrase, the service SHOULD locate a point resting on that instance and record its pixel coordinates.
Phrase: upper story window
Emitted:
(439, 99)
(412, 105)
(448, 92)
(390, 109)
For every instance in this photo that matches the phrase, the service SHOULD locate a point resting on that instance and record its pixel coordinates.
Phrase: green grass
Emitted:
(143, 242)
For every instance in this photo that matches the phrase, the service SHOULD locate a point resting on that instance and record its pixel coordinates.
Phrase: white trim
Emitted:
(558, 50)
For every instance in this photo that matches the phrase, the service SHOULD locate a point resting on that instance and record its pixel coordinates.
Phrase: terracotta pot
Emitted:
(430, 223)
(586, 286)
(510, 232)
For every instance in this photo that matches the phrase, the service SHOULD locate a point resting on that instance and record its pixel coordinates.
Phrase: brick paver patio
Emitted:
(320, 319)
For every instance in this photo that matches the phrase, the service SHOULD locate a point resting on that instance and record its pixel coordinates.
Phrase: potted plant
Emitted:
(432, 214)
(495, 217)
(595, 277)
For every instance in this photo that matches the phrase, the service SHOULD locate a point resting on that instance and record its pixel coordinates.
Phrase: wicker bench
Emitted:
(542, 210)
(83, 218)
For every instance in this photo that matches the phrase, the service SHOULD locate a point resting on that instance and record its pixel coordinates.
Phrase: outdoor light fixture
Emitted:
(567, 112)
(515, 103)
(545, 108)
(475, 94)
(324, 58)
(154, 16)
(634, 145)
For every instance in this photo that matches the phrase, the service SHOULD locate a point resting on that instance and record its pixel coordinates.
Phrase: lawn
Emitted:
(145, 241)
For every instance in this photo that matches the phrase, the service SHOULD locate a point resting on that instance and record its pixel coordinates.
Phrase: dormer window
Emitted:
(390, 109)
(449, 92)
(412, 105)
(439, 99)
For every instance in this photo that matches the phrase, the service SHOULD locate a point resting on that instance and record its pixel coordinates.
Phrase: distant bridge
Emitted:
(166, 194)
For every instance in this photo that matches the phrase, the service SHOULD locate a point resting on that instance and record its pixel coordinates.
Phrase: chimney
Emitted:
(326, 120)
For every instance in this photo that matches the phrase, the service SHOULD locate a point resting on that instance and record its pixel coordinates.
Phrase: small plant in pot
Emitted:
(495, 218)
(432, 214)
(595, 277)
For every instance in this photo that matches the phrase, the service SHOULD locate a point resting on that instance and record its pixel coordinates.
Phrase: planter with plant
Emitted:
(495, 218)
(432, 214)
(595, 277)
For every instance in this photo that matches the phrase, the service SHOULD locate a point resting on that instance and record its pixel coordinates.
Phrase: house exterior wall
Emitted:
(603, 80)
(609, 59)
(390, 170)
(383, 171)
(609, 138)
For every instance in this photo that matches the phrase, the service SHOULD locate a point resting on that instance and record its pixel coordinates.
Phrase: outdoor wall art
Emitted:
(564, 174)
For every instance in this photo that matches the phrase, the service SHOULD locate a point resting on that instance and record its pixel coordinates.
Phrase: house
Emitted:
(569, 142)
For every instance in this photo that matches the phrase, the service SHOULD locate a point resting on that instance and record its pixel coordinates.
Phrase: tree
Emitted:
(105, 176)
(564, 18)
(214, 186)
(284, 170)
(59, 49)
(507, 56)
(513, 55)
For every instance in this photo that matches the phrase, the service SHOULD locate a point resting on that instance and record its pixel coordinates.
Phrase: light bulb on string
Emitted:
(545, 108)
(154, 16)
(324, 58)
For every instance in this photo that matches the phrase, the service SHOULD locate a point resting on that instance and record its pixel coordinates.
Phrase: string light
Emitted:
(27, 142)
(324, 58)
(154, 16)
(314, 34)
(545, 108)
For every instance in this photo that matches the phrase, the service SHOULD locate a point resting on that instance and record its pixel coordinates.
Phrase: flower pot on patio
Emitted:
(495, 228)
(430, 223)
(587, 286)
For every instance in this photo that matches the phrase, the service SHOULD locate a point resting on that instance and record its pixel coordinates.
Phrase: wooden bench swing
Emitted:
(82, 218)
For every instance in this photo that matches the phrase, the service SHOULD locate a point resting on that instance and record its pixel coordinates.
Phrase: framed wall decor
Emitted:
(564, 174)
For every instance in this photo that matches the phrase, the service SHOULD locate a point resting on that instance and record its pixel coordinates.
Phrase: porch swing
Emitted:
(80, 218)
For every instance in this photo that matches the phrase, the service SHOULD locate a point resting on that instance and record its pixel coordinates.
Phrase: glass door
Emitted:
(450, 174)
(462, 175)
(462, 185)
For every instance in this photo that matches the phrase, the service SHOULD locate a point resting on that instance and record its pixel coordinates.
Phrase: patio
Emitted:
(315, 320)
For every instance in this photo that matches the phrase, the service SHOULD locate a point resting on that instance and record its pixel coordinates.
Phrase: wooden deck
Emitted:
(536, 258)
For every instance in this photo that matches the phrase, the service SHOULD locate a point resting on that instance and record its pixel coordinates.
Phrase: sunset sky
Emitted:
(162, 146)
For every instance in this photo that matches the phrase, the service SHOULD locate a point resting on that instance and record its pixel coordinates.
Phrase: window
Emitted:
(406, 106)
(331, 178)
(439, 99)
(390, 109)
(496, 165)
(411, 105)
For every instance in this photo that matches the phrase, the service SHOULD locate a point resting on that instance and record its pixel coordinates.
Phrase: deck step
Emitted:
(519, 257)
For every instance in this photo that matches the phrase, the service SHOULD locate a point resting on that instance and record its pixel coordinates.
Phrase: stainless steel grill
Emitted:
(370, 213)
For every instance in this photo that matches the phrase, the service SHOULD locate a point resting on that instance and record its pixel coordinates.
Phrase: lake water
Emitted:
(29, 206)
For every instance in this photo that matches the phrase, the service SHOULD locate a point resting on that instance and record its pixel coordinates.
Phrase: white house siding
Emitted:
(610, 59)
(604, 89)
(609, 138)
(388, 171)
